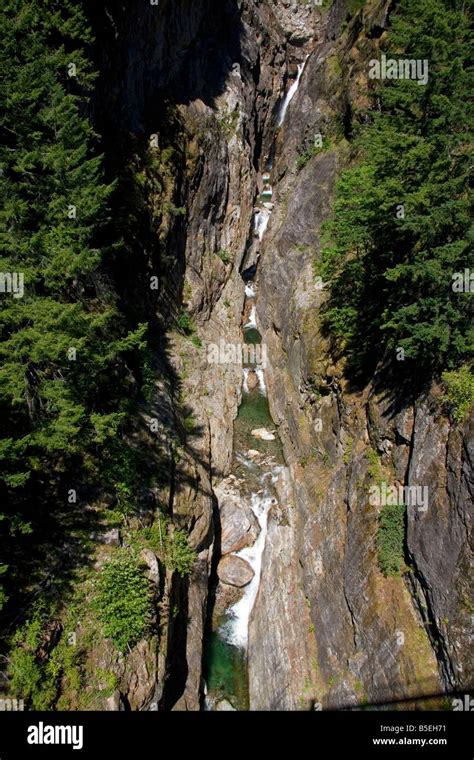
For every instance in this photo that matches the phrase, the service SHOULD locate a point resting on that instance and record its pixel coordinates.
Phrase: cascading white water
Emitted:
(261, 381)
(261, 220)
(250, 291)
(291, 93)
(245, 384)
(235, 629)
(252, 323)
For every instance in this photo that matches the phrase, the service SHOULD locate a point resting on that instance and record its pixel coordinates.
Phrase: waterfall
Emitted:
(256, 485)
(261, 381)
(290, 94)
(245, 385)
(261, 222)
(235, 630)
(252, 323)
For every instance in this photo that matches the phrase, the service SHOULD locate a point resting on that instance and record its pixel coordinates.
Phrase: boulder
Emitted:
(224, 706)
(239, 526)
(234, 571)
(252, 380)
(153, 568)
(263, 435)
(109, 537)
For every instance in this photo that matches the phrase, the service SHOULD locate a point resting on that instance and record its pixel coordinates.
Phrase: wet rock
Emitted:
(234, 571)
(252, 380)
(253, 453)
(224, 706)
(239, 526)
(226, 596)
(279, 654)
(263, 435)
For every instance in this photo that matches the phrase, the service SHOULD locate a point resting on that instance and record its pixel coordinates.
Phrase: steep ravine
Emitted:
(341, 634)
(257, 494)
(326, 629)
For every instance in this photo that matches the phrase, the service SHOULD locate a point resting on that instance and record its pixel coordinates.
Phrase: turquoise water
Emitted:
(252, 336)
(254, 413)
(225, 672)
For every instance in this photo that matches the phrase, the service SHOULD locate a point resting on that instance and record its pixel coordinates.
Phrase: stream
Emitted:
(257, 465)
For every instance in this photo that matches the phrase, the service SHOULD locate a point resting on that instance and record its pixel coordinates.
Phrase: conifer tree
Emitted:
(401, 228)
(63, 342)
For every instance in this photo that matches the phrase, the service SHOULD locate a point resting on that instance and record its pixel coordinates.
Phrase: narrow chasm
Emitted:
(253, 488)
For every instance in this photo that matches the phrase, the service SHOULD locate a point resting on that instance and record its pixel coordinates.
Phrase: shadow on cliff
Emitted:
(178, 51)
(153, 61)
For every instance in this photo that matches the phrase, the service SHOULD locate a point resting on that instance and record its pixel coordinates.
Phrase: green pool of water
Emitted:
(252, 336)
(225, 672)
(254, 409)
(254, 413)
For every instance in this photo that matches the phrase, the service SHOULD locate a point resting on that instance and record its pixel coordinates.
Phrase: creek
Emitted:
(257, 465)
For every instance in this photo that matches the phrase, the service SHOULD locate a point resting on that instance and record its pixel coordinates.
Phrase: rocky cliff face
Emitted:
(377, 639)
(206, 80)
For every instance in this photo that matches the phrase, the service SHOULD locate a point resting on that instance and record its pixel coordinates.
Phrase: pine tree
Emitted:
(63, 392)
(401, 227)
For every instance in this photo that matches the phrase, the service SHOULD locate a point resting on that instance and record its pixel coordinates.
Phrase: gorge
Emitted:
(209, 116)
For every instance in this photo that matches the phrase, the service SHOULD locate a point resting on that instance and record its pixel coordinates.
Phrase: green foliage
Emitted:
(305, 157)
(107, 682)
(155, 536)
(190, 423)
(29, 677)
(374, 470)
(148, 376)
(185, 323)
(65, 348)
(171, 546)
(348, 448)
(3, 596)
(390, 539)
(224, 257)
(123, 471)
(356, 5)
(391, 277)
(180, 556)
(124, 600)
(229, 123)
(459, 391)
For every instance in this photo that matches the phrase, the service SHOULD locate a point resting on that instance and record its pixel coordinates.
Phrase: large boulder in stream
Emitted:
(234, 571)
(239, 526)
